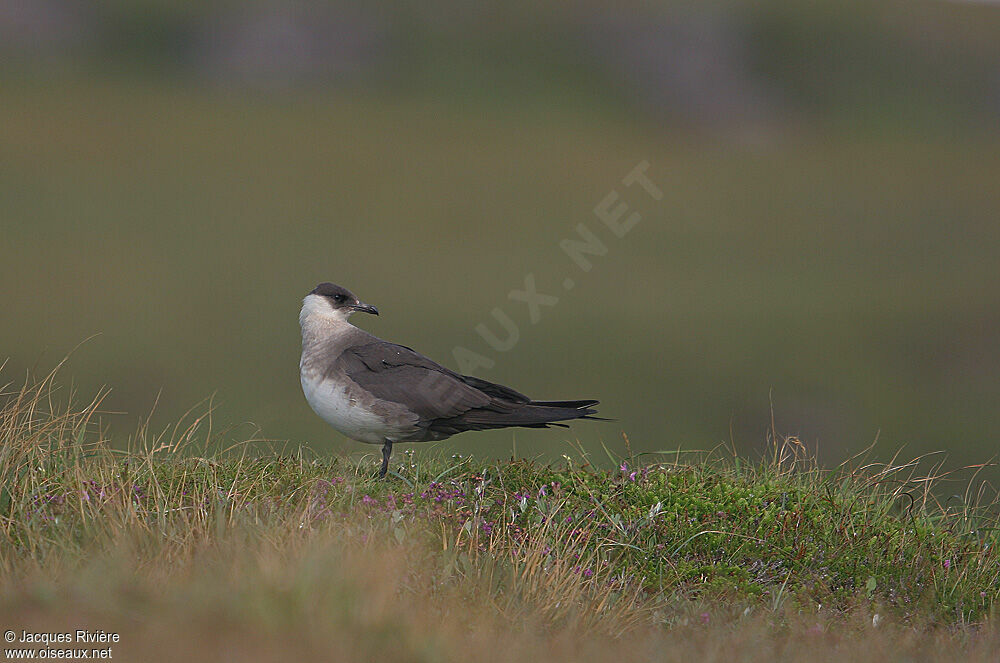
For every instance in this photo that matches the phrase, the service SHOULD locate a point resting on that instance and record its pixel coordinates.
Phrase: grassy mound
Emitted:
(266, 554)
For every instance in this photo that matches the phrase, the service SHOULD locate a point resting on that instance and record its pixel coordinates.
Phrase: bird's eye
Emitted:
(339, 298)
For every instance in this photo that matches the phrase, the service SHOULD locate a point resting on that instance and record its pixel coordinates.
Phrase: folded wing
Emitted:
(445, 402)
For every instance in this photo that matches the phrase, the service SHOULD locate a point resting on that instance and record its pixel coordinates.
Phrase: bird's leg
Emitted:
(386, 452)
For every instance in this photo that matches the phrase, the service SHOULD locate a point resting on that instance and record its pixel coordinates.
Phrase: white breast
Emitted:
(335, 404)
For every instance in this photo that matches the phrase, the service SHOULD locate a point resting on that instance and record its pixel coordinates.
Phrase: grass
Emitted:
(191, 552)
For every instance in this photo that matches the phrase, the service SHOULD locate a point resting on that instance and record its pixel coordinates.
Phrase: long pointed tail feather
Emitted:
(570, 404)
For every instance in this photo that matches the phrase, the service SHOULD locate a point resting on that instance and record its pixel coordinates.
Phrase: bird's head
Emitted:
(332, 302)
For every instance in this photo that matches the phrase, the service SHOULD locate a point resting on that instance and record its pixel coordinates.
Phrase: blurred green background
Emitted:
(175, 177)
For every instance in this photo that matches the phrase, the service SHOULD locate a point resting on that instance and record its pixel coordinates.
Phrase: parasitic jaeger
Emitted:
(378, 392)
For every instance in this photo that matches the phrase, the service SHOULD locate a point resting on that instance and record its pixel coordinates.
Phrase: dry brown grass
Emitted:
(312, 595)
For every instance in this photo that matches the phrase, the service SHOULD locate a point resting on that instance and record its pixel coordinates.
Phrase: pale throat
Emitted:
(320, 328)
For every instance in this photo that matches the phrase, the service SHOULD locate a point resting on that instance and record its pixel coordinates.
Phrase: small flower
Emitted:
(367, 499)
(624, 467)
(947, 564)
(587, 573)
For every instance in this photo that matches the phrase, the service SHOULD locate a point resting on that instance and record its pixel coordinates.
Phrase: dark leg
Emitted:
(386, 452)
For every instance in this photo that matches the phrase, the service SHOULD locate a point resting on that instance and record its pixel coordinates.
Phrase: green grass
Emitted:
(313, 554)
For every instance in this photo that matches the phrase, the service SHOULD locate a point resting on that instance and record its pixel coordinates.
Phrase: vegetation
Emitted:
(271, 553)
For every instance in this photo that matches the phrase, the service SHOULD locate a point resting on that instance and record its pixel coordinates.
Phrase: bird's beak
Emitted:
(365, 308)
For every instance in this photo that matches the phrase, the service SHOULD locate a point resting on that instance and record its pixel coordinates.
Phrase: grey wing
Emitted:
(396, 373)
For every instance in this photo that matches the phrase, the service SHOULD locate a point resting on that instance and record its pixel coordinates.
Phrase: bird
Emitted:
(378, 392)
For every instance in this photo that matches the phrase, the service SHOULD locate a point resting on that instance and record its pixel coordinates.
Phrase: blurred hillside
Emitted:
(175, 177)
(709, 63)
